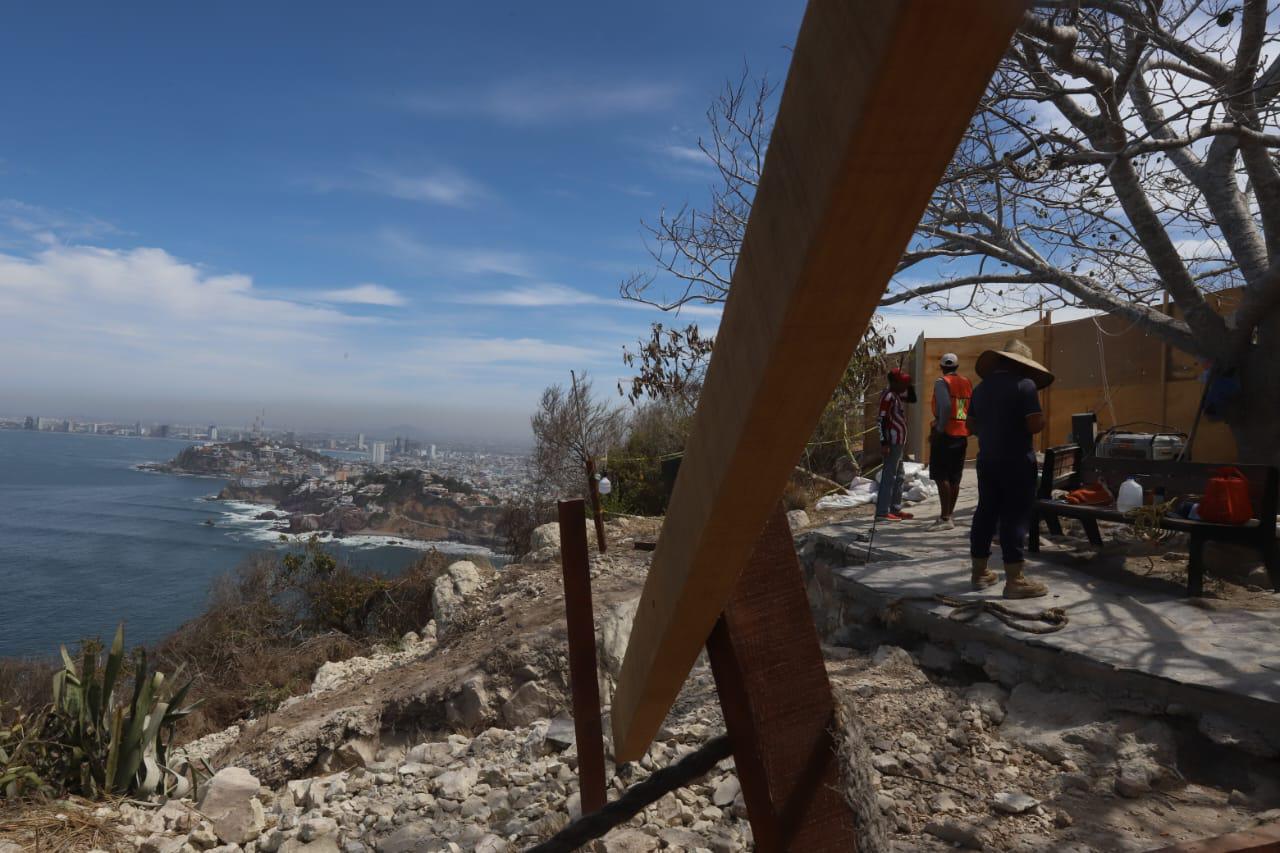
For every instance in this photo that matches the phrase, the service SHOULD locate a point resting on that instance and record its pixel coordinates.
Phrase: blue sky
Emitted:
(354, 215)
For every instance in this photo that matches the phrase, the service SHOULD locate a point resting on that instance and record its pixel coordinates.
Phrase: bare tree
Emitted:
(1124, 154)
(571, 427)
(697, 249)
(698, 246)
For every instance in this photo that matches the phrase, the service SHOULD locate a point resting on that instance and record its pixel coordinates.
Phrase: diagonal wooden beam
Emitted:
(877, 97)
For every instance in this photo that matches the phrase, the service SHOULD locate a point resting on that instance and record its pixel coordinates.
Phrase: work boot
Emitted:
(982, 577)
(1016, 585)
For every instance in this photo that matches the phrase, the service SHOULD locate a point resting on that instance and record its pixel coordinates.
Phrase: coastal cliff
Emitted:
(309, 492)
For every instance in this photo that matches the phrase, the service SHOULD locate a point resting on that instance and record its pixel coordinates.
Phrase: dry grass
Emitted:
(58, 826)
(258, 644)
(26, 683)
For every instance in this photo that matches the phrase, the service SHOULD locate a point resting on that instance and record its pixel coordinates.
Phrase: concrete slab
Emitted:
(1157, 649)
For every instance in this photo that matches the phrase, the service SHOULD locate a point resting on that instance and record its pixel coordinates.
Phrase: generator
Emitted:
(1163, 446)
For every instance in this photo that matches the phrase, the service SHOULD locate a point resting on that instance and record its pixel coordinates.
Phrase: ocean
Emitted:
(88, 541)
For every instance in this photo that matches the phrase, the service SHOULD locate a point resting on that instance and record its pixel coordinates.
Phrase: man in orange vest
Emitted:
(949, 439)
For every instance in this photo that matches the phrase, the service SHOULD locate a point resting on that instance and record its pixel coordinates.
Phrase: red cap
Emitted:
(900, 375)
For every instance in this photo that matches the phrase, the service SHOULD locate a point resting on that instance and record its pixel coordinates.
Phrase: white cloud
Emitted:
(90, 331)
(537, 101)
(428, 258)
(33, 224)
(84, 318)
(503, 351)
(532, 296)
(686, 154)
(442, 185)
(364, 294)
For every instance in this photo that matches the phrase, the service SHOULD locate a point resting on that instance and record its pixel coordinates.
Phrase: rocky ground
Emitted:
(457, 739)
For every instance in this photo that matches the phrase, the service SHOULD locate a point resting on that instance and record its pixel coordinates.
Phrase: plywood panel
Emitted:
(968, 349)
(878, 94)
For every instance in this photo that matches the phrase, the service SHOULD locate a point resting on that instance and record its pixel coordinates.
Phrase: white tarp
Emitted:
(916, 487)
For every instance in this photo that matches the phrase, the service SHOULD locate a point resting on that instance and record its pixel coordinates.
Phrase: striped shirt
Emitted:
(893, 418)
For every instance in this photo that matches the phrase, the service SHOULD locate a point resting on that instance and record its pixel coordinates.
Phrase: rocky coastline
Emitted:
(304, 492)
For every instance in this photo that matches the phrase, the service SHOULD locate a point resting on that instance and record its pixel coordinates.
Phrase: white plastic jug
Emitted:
(1130, 496)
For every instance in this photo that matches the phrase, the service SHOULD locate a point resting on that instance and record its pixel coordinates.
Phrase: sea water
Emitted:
(87, 540)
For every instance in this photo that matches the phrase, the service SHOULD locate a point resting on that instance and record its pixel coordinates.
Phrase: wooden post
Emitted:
(878, 94)
(777, 703)
(594, 488)
(583, 680)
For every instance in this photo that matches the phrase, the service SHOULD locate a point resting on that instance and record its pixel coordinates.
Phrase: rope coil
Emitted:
(966, 610)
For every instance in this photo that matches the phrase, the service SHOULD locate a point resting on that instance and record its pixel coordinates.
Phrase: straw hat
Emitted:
(1017, 357)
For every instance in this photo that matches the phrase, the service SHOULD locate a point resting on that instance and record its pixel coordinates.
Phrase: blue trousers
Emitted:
(1006, 489)
(889, 496)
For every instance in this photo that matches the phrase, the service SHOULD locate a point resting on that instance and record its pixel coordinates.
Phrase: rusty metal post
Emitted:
(595, 505)
(583, 680)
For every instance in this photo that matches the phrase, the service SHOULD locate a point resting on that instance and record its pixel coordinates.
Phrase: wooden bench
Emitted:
(1065, 468)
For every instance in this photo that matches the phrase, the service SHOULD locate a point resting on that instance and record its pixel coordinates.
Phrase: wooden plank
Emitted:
(740, 725)
(774, 654)
(878, 94)
(584, 682)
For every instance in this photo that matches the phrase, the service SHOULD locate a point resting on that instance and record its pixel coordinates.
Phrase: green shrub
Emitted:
(657, 430)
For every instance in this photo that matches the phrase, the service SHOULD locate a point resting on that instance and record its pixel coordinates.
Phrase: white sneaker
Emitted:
(943, 524)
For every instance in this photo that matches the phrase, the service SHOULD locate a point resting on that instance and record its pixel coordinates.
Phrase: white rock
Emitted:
(491, 843)
(726, 792)
(316, 827)
(615, 631)
(545, 536)
(437, 752)
(231, 804)
(797, 519)
(452, 590)
(456, 784)
(320, 845)
(1013, 802)
(529, 703)
(469, 707)
(357, 752)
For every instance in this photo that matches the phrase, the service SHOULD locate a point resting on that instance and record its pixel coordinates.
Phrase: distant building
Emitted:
(213, 433)
(29, 423)
(433, 451)
(162, 431)
(360, 442)
(378, 454)
(93, 428)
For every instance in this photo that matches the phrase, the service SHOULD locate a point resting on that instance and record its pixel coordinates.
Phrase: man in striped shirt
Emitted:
(893, 439)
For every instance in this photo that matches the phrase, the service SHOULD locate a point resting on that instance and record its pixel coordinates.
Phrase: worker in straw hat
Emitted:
(1005, 413)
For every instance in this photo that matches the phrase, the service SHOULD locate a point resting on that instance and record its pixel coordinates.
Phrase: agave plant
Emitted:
(20, 755)
(111, 746)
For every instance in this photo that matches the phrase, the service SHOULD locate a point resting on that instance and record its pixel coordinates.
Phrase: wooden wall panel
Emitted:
(877, 96)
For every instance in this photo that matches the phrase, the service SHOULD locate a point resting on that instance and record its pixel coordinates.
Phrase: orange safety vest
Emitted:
(961, 391)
